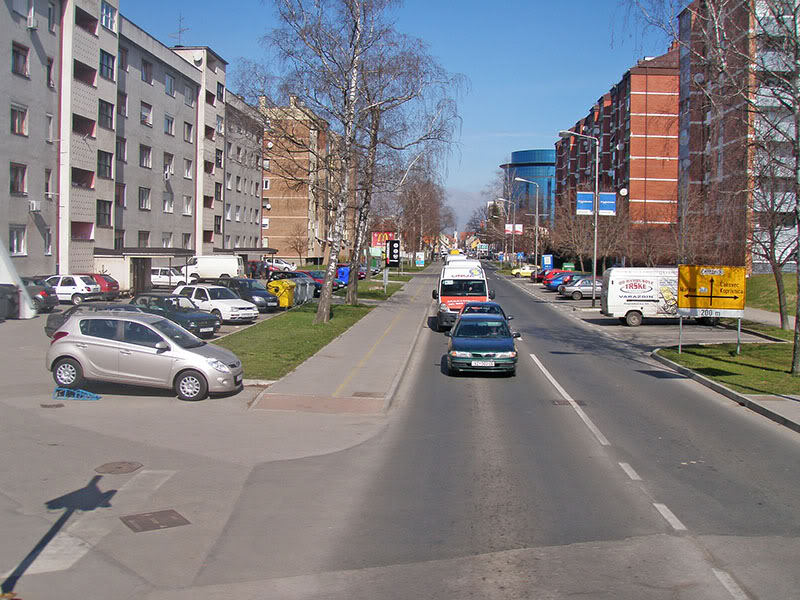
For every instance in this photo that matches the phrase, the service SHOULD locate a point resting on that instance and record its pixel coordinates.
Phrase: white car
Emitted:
(166, 277)
(281, 264)
(219, 301)
(75, 288)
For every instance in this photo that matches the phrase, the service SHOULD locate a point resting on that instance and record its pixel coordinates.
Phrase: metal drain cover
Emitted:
(118, 468)
(162, 519)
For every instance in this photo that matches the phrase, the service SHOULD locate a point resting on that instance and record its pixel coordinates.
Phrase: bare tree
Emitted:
(298, 240)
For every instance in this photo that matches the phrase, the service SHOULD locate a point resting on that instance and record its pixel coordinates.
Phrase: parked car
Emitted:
(166, 277)
(251, 290)
(550, 274)
(552, 283)
(75, 288)
(109, 286)
(481, 342)
(157, 353)
(523, 270)
(484, 308)
(582, 287)
(537, 276)
(57, 319)
(571, 278)
(281, 264)
(219, 301)
(180, 310)
(43, 295)
(319, 277)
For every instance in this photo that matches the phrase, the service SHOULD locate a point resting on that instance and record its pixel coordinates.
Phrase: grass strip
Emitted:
(276, 346)
(372, 290)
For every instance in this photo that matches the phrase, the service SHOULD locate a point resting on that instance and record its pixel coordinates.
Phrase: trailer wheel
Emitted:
(633, 318)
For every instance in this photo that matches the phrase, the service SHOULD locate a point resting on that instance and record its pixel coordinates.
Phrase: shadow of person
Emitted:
(85, 499)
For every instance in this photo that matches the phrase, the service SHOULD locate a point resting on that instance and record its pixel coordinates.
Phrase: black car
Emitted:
(251, 290)
(180, 310)
(56, 319)
(43, 295)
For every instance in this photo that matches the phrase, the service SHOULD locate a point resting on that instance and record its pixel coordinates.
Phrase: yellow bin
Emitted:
(284, 290)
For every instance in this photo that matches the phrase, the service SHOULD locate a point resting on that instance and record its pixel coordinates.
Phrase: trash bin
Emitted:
(302, 293)
(343, 273)
(9, 301)
(284, 290)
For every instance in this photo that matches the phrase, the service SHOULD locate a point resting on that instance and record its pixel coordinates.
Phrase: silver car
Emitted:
(140, 349)
(583, 287)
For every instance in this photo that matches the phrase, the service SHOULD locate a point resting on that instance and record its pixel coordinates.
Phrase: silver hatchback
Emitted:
(140, 349)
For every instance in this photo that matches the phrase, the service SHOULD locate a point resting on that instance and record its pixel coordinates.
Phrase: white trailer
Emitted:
(632, 293)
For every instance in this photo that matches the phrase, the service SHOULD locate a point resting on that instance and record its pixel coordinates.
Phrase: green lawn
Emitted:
(763, 293)
(276, 346)
(373, 289)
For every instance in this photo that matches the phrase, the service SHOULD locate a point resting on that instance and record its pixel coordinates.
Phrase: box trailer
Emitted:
(632, 293)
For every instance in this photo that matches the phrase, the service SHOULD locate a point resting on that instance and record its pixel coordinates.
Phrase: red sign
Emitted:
(379, 238)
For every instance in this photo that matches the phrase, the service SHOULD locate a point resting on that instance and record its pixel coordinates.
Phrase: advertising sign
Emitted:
(419, 259)
(547, 261)
(711, 291)
(516, 228)
(379, 238)
(606, 205)
(585, 203)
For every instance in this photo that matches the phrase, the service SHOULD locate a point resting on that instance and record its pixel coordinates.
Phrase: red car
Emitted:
(109, 286)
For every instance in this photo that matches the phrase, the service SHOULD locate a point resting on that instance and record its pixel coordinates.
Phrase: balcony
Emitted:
(210, 133)
(81, 178)
(85, 21)
(83, 126)
(208, 202)
(84, 73)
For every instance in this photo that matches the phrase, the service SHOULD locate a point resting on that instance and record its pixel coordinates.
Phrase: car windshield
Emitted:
(177, 334)
(483, 309)
(482, 329)
(177, 303)
(463, 287)
(317, 274)
(221, 293)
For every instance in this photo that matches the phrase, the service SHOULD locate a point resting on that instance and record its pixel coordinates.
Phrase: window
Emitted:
(188, 132)
(230, 146)
(187, 205)
(47, 238)
(219, 158)
(104, 160)
(238, 213)
(227, 212)
(18, 183)
(188, 94)
(169, 85)
(144, 239)
(220, 91)
(147, 72)
(238, 183)
(169, 125)
(237, 241)
(108, 16)
(122, 104)
(103, 213)
(220, 124)
(48, 127)
(145, 156)
(105, 117)
(106, 65)
(123, 59)
(19, 120)
(266, 184)
(50, 82)
(186, 242)
(51, 17)
(120, 196)
(227, 241)
(228, 179)
(48, 183)
(119, 239)
(146, 114)
(169, 165)
(217, 191)
(217, 224)
(17, 240)
(19, 60)
(166, 240)
(122, 149)
(144, 198)
(169, 203)
(265, 164)
(187, 168)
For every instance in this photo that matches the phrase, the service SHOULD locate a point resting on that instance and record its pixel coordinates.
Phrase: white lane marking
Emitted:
(670, 517)
(597, 433)
(72, 544)
(730, 585)
(630, 472)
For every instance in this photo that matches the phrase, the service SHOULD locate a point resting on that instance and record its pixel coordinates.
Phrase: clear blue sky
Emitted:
(534, 66)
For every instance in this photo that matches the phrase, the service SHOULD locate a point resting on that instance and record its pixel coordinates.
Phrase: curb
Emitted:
(727, 392)
(389, 399)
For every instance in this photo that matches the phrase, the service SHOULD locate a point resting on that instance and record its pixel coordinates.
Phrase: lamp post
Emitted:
(536, 214)
(567, 134)
(513, 226)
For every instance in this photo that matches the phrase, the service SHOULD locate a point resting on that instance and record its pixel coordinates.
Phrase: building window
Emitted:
(48, 128)
(144, 198)
(169, 125)
(188, 94)
(266, 184)
(19, 120)
(187, 205)
(220, 124)
(50, 81)
(187, 168)
(220, 91)
(217, 191)
(147, 72)
(219, 158)
(169, 165)
(106, 115)
(228, 179)
(227, 212)
(51, 17)
(265, 164)
(19, 60)
(169, 85)
(217, 224)
(48, 241)
(169, 202)
(48, 183)
(146, 114)
(227, 241)
(119, 239)
(123, 59)
(237, 241)
(238, 183)
(103, 213)
(186, 242)
(104, 160)
(122, 149)
(144, 239)
(238, 214)
(108, 16)
(18, 183)
(145, 156)
(122, 104)
(188, 132)
(166, 240)
(120, 196)
(17, 240)
(106, 65)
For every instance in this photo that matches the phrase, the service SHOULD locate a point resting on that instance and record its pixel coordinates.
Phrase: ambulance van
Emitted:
(459, 284)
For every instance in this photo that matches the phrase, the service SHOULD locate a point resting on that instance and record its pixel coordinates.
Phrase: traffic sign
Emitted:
(711, 291)
(393, 253)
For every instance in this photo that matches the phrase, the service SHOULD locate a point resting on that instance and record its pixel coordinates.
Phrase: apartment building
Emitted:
(31, 34)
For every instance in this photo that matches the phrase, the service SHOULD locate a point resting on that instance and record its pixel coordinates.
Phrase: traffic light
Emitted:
(393, 253)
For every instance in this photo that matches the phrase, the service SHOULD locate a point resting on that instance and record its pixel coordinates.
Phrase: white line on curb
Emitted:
(630, 472)
(670, 517)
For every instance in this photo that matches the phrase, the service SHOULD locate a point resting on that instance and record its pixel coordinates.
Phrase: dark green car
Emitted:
(481, 342)
(180, 310)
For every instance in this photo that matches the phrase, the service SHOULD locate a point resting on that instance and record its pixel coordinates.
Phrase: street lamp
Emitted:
(513, 226)
(536, 214)
(567, 134)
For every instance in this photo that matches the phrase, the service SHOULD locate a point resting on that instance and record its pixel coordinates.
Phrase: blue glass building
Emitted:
(538, 166)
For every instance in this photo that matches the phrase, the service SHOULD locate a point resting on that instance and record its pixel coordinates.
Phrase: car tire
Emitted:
(576, 295)
(512, 373)
(633, 318)
(37, 305)
(516, 275)
(67, 373)
(180, 283)
(217, 314)
(76, 299)
(191, 386)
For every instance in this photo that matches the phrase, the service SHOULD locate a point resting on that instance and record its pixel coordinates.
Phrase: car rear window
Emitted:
(88, 280)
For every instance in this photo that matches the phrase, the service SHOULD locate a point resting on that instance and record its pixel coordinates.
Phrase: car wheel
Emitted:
(516, 274)
(67, 372)
(576, 295)
(512, 373)
(191, 385)
(37, 304)
(76, 299)
(180, 283)
(633, 319)
(217, 314)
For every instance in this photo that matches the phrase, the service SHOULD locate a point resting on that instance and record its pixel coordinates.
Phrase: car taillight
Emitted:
(58, 335)
(43, 294)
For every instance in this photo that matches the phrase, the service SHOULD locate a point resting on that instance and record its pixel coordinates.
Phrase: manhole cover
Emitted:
(161, 519)
(119, 467)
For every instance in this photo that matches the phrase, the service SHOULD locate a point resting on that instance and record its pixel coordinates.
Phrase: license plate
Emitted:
(482, 363)
(206, 329)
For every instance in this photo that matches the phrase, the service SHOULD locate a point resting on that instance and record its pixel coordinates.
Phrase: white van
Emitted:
(459, 283)
(632, 293)
(213, 266)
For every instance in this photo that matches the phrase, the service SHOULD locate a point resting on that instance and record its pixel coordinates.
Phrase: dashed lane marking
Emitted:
(733, 589)
(670, 517)
(630, 472)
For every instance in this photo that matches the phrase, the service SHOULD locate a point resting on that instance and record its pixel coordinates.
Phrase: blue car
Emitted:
(556, 281)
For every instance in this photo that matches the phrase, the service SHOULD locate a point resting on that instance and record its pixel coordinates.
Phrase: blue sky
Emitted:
(534, 66)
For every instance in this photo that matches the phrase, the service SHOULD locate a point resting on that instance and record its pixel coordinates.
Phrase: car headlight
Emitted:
(218, 365)
(460, 354)
(512, 354)
(443, 307)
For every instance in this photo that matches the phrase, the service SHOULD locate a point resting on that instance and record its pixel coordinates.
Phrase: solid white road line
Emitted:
(670, 517)
(597, 433)
(630, 472)
(730, 585)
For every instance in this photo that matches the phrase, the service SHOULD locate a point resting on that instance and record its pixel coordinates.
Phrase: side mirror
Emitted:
(516, 334)
(447, 333)
(491, 294)
(435, 294)
(509, 317)
(162, 346)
